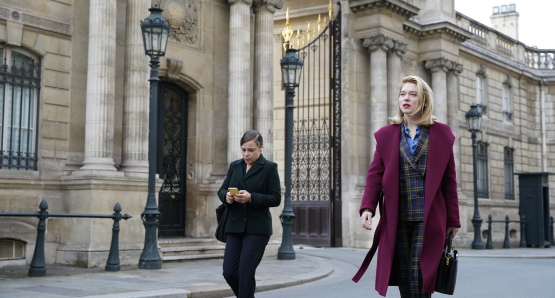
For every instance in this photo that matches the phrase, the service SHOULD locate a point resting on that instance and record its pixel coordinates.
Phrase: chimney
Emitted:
(505, 20)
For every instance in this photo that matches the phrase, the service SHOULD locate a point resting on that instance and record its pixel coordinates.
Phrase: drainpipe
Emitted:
(542, 115)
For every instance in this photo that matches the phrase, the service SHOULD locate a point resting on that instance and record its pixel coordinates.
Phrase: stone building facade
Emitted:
(81, 89)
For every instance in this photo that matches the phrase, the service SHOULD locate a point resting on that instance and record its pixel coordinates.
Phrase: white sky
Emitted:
(536, 20)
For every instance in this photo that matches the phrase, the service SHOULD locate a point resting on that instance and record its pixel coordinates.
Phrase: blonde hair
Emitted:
(424, 104)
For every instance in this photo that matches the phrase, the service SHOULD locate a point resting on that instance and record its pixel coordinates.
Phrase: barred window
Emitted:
(509, 171)
(19, 93)
(482, 165)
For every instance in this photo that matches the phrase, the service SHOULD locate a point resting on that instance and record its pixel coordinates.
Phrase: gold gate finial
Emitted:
(330, 10)
(287, 32)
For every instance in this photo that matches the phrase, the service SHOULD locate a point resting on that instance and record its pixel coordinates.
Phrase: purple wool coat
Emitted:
(441, 206)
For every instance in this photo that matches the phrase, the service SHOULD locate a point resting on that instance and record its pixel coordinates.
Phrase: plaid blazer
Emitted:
(412, 169)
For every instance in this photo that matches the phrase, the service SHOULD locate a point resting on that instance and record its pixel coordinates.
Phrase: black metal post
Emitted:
(150, 258)
(506, 242)
(476, 219)
(286, 251)
(38, 264)
(552, 237)
(522, 231)
(112, 264)
(489, 243)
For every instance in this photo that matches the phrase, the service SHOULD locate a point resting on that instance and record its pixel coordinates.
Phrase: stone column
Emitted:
(394, 76)
(264, 71)
(99, 127)
(439, 68)
(239, 101)
(136, 96)
(378, 46)
(453, 110)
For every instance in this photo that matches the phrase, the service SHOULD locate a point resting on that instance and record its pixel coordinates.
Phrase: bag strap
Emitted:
(372, 251)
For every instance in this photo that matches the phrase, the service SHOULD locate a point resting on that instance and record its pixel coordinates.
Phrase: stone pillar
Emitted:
(99, 127)
(136, 96)
(239, 101)
(439, 68)
(378, 46)
(453, 110)
(264, 71)
(394, 76)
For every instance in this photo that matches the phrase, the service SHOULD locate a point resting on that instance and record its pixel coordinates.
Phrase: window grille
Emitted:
(19, 93)
(509, 173)
(482, 160)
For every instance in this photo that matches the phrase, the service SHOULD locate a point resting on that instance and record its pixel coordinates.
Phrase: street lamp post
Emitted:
(155, 31)
(473, 123)
(291, 68)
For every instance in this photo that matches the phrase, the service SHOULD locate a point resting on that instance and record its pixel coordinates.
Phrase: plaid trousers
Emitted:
(408, 248)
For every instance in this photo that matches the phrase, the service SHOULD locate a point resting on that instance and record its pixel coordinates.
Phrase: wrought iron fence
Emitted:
(38, 263)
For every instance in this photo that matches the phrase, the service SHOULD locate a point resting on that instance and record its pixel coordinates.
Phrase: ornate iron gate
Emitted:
(316, 176)
(171, 159)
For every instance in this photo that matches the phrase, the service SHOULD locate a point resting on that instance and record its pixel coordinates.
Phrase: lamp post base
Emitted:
(477, 243)
(286, 250)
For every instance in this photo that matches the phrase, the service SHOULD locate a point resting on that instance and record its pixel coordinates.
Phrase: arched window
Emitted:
(509, 173)
(482, 160)
(19, 93)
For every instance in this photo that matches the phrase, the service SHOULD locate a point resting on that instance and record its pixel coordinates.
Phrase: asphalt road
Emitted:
(477, 277)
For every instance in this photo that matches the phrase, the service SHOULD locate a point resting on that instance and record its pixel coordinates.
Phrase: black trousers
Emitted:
(243, 253)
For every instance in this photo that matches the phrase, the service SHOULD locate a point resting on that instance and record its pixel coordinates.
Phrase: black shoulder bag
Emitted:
(447, 270)
(221, 216)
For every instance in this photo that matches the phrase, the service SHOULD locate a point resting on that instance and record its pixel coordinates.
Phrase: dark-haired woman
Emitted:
(414, 171)
(249, 222)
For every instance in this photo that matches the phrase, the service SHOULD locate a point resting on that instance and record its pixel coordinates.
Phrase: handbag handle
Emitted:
(449, 241)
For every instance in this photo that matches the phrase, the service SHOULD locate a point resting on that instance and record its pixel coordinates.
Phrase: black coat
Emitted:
(262, 182)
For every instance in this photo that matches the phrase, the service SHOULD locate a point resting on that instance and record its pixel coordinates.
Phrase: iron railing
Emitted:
(506, 241)
(38, 263)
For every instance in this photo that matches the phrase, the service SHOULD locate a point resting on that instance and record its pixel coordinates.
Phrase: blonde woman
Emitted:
(412, 178)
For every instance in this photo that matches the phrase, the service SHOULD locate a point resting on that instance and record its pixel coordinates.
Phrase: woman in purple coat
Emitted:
(412, 176)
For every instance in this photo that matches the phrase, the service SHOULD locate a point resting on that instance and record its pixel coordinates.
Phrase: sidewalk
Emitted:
(174, 280)
(190, 279)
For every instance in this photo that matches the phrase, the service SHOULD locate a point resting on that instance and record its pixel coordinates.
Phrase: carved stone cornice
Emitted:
(379, 41)
(36, 21)
(437, 30)
(439, 64)
(398, 7)
(174, 67)
(270, 5)
(481, 71)
(249, 2)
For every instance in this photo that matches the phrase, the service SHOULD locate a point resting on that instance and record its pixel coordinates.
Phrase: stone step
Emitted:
(169, 242)
(185, 258)
(193, 250)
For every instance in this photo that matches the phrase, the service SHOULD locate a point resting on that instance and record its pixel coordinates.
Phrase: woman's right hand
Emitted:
(229, 198)
(366, 220)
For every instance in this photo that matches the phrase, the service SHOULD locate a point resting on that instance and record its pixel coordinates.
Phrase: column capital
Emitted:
(270, 5)
(400, 48)
(457, 68)
(438, 64)
(379, 41)
(249, 2)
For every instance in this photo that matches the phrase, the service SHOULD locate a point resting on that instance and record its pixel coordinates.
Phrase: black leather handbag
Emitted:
(447, 270)
(221, 216)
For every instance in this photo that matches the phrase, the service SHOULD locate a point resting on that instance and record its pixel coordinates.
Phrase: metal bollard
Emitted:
(489, 243)
(112, 264)
(506, 243)
(38, 264)
(522, 231)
